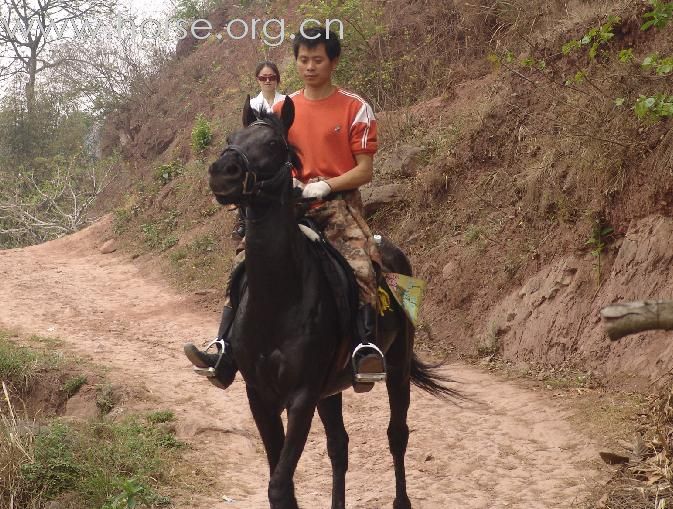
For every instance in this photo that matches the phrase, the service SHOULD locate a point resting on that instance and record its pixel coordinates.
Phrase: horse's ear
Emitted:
(287, 113)
(248, 113)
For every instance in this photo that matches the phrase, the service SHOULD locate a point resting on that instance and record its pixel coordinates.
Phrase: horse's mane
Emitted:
(275, 121)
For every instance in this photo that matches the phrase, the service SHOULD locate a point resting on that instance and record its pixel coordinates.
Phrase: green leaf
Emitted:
(650, 60)
(619, 101)
(648, 25)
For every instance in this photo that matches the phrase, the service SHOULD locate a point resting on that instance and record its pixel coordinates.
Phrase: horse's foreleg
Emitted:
(330, 411)
(281, 487)
(398, 384)
(270, 428)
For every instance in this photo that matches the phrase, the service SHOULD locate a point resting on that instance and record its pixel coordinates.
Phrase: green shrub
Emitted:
(104, 464)
(161, 416)
(202, 135)
(20, 366)
(659, 16)
(120, 220)
(72, 385)
(654, 107)
(106, 399)
(167, 172)
(594, 38)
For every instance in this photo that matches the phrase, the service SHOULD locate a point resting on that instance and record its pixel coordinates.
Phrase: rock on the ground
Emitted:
(375, 197)
(405, 160)
(109, 247)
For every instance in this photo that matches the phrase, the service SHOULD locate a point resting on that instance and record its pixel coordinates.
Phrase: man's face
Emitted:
(314, 66)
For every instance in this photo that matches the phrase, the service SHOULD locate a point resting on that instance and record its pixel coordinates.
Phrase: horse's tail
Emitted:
(427, 378)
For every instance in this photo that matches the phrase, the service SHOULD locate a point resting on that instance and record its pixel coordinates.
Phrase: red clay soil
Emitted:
(507, 447)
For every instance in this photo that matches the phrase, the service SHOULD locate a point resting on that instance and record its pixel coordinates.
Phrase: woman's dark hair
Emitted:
(269, 64)
(312, 37)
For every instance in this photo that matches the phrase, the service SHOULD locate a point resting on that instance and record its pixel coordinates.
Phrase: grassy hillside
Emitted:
(538, 132)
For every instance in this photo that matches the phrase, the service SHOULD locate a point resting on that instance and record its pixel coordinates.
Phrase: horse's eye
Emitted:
(273, 143)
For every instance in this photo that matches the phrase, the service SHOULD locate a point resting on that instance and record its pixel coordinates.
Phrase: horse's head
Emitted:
(257, 161)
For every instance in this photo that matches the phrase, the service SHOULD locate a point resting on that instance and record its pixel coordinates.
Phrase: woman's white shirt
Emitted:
(257, 102)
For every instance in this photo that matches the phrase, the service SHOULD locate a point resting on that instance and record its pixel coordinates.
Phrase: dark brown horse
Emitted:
(286, 338)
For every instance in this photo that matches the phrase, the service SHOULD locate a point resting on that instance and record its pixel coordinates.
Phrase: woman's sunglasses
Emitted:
(266, 78)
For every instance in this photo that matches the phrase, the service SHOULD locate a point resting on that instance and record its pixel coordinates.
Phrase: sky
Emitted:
(149, 8)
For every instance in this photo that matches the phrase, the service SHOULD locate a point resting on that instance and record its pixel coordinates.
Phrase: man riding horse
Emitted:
(335, 133)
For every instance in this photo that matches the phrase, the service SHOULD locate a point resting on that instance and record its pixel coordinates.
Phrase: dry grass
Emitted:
(646, 481)
(16, 446)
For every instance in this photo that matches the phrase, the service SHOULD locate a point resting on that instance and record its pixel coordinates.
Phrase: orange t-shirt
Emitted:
(329, 132)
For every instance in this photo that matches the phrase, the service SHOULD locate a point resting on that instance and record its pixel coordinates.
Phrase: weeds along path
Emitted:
(508, 447)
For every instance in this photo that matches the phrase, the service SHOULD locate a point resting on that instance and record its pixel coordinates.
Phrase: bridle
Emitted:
(254, 185)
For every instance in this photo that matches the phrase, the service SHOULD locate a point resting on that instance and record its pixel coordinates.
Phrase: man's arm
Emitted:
(357, 176)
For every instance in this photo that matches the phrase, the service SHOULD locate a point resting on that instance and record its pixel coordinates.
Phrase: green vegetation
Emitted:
(659, 16)
(167, 172)
(661, 66)
(193, 9)
(102, 464)
(19, 366)
(594, 38)
(159, 235)
(654, 107)
(626, 56)
(597, 242)
(161, 416)
(106, 399)
(72, 385)
(202, 135)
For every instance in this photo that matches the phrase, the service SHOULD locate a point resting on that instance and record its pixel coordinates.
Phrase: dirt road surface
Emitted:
(508, 448)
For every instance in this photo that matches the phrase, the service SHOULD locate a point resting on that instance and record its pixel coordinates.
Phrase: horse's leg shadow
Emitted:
(299, 417)
(398, 383)
(330, 411)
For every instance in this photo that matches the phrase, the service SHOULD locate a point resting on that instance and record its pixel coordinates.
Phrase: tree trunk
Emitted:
(631, 317)
(32, 78)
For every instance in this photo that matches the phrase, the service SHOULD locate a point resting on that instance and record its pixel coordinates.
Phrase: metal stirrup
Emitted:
(368, 377)
(210, 372)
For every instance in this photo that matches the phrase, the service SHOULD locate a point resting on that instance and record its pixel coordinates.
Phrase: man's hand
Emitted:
(316, 190)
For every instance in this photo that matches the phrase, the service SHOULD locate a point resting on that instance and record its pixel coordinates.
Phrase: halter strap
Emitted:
(253, 185)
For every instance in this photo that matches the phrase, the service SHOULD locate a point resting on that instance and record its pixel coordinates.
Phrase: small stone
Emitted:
(109, 247)
(448, 270)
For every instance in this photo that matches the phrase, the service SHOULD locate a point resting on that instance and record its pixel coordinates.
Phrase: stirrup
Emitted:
(368, 377)
(210, 372)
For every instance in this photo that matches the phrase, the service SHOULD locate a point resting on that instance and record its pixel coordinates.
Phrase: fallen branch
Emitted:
(630, 317)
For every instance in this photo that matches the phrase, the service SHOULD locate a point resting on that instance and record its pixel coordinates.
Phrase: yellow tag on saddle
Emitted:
(407, 291)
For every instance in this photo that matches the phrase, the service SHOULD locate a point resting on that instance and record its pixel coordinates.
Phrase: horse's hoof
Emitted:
(402, 504)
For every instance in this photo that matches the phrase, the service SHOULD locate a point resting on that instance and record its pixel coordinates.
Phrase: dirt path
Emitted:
(509, 448)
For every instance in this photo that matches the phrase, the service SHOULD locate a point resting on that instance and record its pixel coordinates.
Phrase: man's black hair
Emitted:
(312, 37)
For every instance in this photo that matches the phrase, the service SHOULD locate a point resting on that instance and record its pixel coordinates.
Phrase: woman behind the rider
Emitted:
(268, 77)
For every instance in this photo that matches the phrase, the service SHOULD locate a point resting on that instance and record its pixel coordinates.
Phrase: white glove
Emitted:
(297, 183)
(316, 190)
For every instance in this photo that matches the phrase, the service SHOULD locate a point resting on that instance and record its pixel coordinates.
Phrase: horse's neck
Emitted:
(272, 253)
